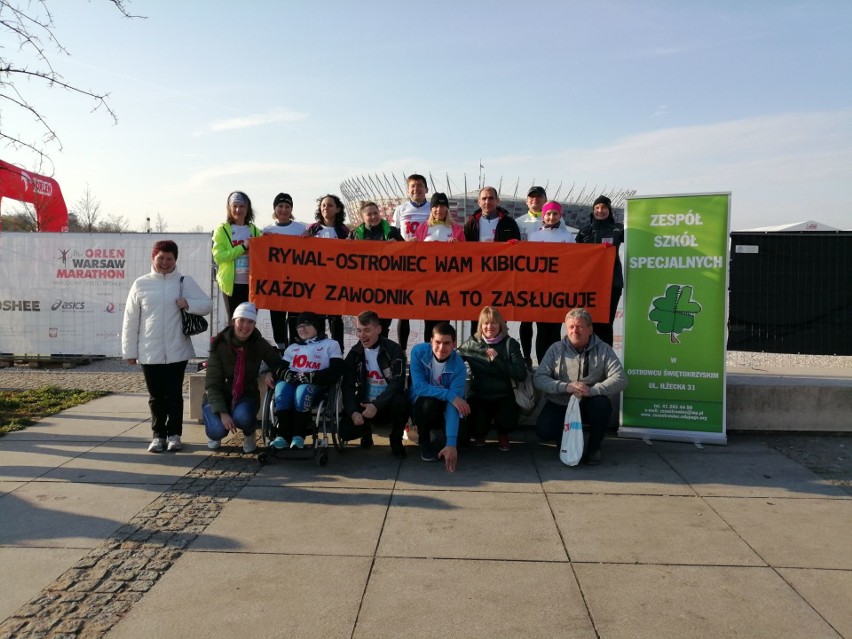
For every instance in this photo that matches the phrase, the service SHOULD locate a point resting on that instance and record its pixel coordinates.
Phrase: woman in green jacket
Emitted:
(495, 359)
(230, 251)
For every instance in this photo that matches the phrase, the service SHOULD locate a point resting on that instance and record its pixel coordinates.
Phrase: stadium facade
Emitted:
(389, 191)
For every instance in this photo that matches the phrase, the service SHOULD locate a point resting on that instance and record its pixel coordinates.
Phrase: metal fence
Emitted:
(791, 292)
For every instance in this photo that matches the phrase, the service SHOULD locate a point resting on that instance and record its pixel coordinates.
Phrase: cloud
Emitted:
(788, 167)
(660, 111)
(258, 119)
(252, 171)
(694, 149)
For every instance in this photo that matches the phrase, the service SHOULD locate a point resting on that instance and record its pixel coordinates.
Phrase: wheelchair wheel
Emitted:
(267, 421)
(262, 458)
(333, 411)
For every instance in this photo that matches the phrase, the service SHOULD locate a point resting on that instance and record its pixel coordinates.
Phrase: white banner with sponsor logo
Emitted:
(63, 294)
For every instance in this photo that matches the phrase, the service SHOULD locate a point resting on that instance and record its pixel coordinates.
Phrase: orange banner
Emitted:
(527, 281)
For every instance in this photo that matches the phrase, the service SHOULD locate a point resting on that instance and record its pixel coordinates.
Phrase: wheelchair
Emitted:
(325, 426)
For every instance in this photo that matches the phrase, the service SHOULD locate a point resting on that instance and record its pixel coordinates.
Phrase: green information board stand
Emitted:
(675, 317)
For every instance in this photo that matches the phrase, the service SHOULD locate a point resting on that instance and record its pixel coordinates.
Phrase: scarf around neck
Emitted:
(239, 383)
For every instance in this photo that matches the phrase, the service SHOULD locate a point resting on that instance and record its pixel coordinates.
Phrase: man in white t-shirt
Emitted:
(284, 322)
(373, 386)
(407, 217)
(529, 224)
(438, 377)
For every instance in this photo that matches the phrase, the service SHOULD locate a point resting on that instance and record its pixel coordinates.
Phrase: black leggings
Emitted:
(239, 295)
(604, 331)
(403, 330)
(335, 329)
(284, 327)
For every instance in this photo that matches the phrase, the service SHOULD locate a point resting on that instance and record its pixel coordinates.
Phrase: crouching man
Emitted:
(580, 364)
(438, 377)
(374, 386)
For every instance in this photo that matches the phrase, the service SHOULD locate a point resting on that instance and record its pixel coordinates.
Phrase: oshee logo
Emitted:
(20, 305)
(60, 305)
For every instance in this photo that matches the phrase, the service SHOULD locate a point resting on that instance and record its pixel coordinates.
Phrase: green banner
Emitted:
(675, 313)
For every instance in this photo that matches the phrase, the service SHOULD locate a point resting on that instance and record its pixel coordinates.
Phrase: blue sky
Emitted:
(659, 96)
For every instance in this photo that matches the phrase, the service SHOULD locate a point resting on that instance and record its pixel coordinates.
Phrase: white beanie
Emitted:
(246, 310)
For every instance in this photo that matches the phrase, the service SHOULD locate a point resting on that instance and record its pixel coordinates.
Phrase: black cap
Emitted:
(438, 199)
(282, 197)
(313, 319)
(537, 190)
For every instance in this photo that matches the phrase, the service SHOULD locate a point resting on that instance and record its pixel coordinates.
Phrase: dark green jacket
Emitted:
(383, 231)
(493, 379)
(220, 367)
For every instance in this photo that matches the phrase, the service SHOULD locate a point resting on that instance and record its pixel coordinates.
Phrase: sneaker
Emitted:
(298, 442)
(479, 441)
(249, 445)
(398, 450)
(427, 453)
(213, 444)
(367, 441)
(157, 444)
(503, 442)
(173, 442)
(594, 458)
(279, 443)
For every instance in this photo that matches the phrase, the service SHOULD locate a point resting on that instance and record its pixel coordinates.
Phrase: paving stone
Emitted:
(92, 596)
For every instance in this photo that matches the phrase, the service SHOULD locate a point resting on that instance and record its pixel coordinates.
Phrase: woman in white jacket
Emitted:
(152, 336)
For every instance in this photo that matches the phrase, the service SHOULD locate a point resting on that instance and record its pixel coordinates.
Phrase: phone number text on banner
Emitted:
(431, 280)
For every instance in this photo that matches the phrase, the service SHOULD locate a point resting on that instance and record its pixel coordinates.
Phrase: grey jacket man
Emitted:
(597, 365)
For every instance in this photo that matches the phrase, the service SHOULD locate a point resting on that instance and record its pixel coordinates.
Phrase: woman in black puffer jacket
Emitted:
(495, 359)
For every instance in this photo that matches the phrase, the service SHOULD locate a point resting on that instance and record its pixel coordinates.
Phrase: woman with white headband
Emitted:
(231, 251)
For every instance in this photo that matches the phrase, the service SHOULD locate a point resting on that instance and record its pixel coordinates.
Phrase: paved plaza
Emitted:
(99, 538)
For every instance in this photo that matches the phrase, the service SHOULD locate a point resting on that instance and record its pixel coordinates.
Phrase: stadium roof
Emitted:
(809, 225)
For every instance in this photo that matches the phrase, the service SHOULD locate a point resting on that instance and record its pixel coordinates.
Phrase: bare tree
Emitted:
(114, 224)
(22, 219)
(160, 224)
(30, 25)
(197, 229)
(88, 211)
(73, 223)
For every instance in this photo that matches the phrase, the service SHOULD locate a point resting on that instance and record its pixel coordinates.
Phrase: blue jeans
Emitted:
(244, 416)
(295, 396)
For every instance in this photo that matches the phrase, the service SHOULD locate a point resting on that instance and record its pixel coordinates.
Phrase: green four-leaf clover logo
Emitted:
(674, 312)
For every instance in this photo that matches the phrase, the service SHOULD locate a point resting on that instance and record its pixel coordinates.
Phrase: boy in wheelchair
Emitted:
(313, 363)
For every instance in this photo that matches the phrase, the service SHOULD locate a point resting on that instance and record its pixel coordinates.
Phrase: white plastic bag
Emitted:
(571, 450)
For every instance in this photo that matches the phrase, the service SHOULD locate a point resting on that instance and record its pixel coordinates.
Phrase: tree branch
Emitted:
(31, 23)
